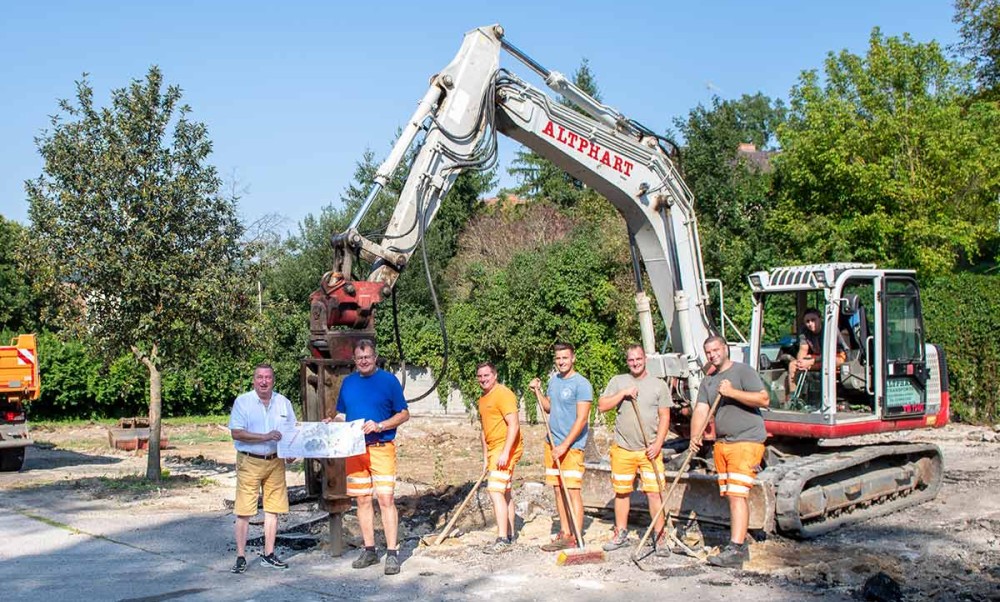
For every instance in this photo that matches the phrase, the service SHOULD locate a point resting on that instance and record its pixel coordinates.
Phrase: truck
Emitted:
(892, 380)
(19, 383)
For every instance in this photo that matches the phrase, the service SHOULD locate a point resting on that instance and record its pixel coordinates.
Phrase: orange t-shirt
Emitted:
(493, 406)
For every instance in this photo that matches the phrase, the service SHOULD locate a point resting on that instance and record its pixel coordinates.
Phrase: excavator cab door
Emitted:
(904, 363)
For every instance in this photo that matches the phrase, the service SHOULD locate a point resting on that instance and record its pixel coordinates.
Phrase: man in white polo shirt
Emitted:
(256, 422)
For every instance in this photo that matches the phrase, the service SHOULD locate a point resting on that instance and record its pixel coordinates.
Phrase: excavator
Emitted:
(812, 480)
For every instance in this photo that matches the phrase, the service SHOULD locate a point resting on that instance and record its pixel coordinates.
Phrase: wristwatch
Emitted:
(380, 427)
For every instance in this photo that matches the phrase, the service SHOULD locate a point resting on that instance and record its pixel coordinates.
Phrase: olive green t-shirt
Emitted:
(653, 395)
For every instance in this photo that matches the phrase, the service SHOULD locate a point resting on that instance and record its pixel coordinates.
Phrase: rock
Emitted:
(996, 428)
(988, 437)
(881, 588)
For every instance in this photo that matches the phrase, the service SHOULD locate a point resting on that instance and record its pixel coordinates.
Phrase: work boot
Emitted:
(661, 546)
(563, 541)
(620, 540)
(272, 561)
(391, 563)
(367, 558)
(732, 556)
(499, 546)
(240, 566)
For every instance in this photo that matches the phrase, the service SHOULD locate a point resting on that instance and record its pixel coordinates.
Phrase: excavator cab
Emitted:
(874, 372)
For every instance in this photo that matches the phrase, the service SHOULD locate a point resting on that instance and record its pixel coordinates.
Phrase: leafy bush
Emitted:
(962, 315)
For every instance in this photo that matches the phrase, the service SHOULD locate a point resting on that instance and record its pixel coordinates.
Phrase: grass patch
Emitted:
(138, 485)
(210, 419)
(199, 437)
(78, 422)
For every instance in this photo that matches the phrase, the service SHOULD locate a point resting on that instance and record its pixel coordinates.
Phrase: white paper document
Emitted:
(323, 440)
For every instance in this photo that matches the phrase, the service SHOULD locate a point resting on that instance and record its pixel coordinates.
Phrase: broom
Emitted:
(580, 555)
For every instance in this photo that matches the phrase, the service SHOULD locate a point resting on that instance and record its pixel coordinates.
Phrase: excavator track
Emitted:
(820, 492)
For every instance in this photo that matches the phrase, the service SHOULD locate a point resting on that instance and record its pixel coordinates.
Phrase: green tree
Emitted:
(734, 191)
(538, 177)
(19, 307)
(888, 161)
(979, 28)
(128, 219)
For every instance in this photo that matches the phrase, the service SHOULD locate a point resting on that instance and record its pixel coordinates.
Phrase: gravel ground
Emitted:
(76, 521)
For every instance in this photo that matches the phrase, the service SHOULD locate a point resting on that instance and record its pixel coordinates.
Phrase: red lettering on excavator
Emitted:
(586, 147)
(562, 135)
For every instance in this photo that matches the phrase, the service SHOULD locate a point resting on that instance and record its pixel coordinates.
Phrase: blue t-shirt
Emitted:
(377, 397)
(564, 394)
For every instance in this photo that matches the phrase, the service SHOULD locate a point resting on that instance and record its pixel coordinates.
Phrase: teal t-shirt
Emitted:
(564, 394)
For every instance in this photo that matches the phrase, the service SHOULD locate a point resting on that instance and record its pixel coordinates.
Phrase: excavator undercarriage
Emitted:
(800, 496)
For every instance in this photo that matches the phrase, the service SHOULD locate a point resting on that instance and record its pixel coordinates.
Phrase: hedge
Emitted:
(962, 315)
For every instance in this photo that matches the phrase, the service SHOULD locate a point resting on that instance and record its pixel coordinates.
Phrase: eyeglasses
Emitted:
(363, 358)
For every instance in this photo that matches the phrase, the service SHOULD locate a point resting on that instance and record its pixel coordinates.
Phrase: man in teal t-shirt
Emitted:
(567, 400)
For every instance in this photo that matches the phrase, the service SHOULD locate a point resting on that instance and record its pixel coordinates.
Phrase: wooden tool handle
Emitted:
(465, 502)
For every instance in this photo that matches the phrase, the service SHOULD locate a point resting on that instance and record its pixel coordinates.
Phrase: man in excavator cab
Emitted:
(809, 357)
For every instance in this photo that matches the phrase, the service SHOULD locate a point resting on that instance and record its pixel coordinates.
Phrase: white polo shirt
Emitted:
(250, 415)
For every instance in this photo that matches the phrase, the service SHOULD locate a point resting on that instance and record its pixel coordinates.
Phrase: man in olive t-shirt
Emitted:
(638, 442)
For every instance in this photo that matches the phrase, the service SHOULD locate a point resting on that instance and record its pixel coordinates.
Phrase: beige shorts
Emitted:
(253, 475)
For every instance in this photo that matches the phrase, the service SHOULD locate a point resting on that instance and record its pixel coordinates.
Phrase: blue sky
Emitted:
(294, 92)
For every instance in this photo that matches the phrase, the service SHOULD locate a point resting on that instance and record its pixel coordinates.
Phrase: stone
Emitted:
(881, 588)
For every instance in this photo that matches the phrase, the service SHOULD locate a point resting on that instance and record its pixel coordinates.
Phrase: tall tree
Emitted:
(733, 190)
(19, 307)
(128, 220)
(889, 161)
(979, 27)
(538, 177)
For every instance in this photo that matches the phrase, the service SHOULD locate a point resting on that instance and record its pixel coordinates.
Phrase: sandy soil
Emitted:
(948, 548)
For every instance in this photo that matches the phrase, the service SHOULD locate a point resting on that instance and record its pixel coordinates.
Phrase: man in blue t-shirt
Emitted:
(375, 396)
(567, 400)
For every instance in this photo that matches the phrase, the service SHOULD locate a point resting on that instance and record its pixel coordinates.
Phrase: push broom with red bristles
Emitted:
(580, 555)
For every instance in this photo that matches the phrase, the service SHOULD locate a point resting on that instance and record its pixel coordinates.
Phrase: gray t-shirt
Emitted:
(653, 395)
(733, 420)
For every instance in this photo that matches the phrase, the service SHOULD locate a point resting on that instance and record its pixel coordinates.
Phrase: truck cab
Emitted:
(19, 383)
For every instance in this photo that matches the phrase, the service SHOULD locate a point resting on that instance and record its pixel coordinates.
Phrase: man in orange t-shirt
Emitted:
(502, 448)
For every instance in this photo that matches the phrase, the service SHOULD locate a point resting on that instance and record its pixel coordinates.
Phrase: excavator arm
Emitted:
(466, 105)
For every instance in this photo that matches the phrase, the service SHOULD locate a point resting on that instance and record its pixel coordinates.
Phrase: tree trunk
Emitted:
(153, 472)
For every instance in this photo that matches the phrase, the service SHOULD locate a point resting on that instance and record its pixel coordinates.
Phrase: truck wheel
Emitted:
(11, 460)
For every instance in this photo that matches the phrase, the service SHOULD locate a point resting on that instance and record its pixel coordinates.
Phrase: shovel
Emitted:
(661, 484)
(673, 485)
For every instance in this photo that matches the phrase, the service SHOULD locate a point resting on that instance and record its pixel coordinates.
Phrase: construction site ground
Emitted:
(79, 523)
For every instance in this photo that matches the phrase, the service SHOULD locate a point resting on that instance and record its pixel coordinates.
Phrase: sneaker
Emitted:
(391, 564)
(732, 556)
(273, 561)
(366, 559)
(499, 546)
(240, 566)
(661, 546)
(563, 541)
(620, 540)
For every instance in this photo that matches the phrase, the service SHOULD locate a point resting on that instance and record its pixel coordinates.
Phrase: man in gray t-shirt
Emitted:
(638, 442)
(740, 433)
